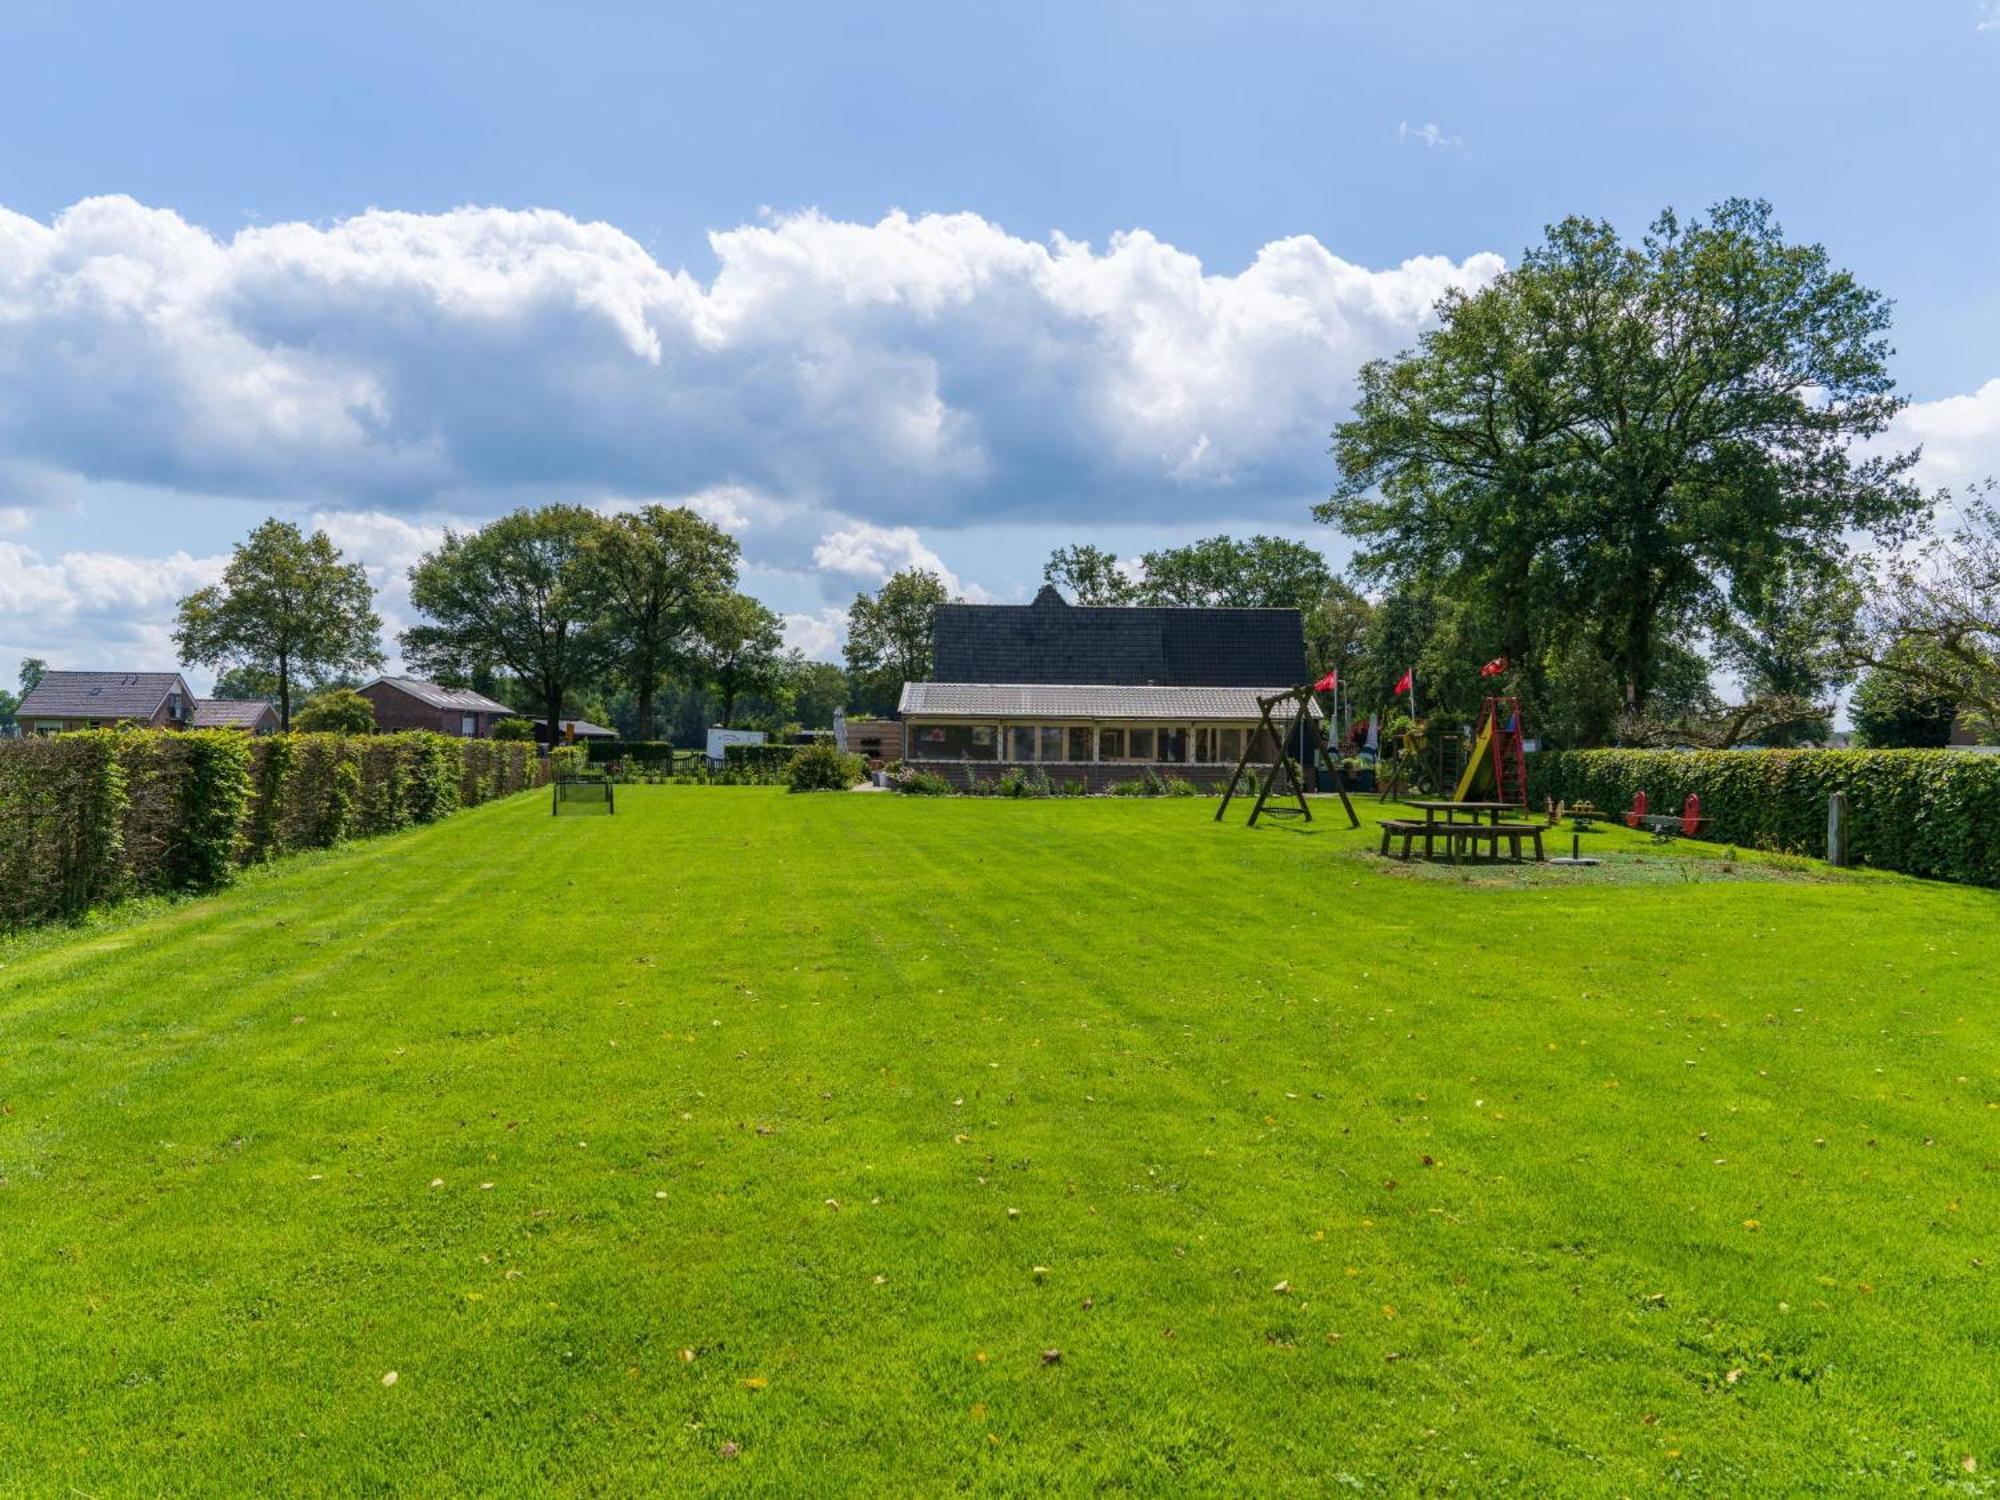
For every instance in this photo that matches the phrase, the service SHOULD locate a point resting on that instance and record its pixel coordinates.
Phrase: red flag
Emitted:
(1494, 667)
(1327, 683)
(1403, 686)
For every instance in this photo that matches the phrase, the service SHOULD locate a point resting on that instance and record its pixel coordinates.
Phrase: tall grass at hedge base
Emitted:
(1934, 813)
(91, 817)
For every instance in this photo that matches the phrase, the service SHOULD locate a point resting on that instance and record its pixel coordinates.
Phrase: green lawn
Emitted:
(764, 1143)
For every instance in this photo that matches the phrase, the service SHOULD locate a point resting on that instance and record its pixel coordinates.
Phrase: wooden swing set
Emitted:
(1282, 768)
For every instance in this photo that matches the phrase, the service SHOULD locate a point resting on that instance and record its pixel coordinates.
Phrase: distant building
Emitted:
(252, 715)
(877, 741)
(1097, 694)
(64, 701)
(572, 731)
(412, 703)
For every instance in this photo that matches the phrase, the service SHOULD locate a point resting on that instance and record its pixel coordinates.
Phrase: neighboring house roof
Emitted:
(1053, 641)
(984, 700)
(585, 730)
(231, 713)
(101, 695)
(463, 700)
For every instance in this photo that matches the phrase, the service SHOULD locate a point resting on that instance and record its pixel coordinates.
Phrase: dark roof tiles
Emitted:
(101, 695)
(1051, 641)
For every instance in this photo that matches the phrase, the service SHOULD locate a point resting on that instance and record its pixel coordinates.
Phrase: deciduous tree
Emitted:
(515, 594)
(1612, 438)
(658, 574)
(287, 606)
(890, 634)
(741, 650)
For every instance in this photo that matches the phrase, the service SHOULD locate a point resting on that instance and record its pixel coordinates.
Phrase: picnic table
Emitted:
(1482, 823)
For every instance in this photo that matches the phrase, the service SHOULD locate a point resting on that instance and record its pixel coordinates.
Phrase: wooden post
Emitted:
(1836, 829)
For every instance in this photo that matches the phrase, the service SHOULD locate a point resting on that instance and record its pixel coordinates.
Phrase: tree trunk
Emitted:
(645, 713)
(728, 705)
(284, 693)
(552, 713)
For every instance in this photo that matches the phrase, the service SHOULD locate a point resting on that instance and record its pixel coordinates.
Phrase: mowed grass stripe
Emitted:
(1197, 1061)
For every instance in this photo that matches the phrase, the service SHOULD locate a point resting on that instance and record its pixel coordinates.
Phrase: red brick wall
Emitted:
(396, 709)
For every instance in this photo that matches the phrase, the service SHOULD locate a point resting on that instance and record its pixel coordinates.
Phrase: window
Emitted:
(1139, 744)
(1110, 744)
(1021, 742)
(958, 742)
(1173, 746)
(1051, 742)
(1079, 743)
(468, 725)
(1229, 745)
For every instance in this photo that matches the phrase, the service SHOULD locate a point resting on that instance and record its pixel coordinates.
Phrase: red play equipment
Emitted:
(1499, 763)
(1690, 818)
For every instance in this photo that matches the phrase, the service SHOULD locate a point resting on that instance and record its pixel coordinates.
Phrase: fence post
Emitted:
(1836, 828)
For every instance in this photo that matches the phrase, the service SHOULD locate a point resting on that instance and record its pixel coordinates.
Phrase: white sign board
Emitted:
(718, 738)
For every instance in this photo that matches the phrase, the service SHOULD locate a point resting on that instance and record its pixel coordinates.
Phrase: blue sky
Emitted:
(872, 284)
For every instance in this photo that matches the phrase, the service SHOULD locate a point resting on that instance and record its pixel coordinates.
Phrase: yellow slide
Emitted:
(1478, 775)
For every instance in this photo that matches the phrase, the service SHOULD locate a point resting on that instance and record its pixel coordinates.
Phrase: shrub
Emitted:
(566, 761)
(1023, 781)
(336, 711)
(1934, 813)
(819, 767)
(513, 729)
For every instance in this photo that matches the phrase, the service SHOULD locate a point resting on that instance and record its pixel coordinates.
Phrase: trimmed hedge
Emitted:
(92, 817)
(770, 758)
(639, 752)
(1934, 813)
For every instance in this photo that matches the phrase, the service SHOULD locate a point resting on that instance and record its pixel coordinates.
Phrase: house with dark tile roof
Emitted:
(412, 703)
(1097, 694)
(251, 715)
(64, 701)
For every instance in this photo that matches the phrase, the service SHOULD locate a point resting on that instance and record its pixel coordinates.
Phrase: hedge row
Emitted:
(92, 817)
(636, 752)
(1934, 813)
(758, 757)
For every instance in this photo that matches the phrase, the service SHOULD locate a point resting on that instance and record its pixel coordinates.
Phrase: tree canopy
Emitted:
(516, 594)
(890, 635)
(336, 711)
(1614, 444)
(1933, 618)
(741, 651)
(658, 574)
(287, 606)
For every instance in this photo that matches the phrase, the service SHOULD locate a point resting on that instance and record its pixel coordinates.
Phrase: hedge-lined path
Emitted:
(1332, 1175)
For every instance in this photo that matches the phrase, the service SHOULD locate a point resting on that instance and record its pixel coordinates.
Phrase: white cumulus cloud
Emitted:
(929, 369)
(1960, 436)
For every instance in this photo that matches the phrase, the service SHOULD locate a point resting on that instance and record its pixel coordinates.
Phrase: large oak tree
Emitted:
(1616, 439)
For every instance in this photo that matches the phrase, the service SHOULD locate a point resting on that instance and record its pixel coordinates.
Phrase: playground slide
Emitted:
(1479, 766)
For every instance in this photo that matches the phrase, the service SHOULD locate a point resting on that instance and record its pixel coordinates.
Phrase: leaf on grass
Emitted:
(390, 1378)
(755, 1383)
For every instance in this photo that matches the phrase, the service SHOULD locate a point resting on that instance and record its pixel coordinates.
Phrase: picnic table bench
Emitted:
(1459, 836)
(1440, 821)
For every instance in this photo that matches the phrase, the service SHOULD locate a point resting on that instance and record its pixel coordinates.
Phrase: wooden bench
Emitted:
(1408, 829)
(1457, 834)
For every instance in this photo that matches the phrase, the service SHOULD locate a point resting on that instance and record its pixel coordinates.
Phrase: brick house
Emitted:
(251, 715)
(1097, 694)
(64, 701)
(411, 703)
